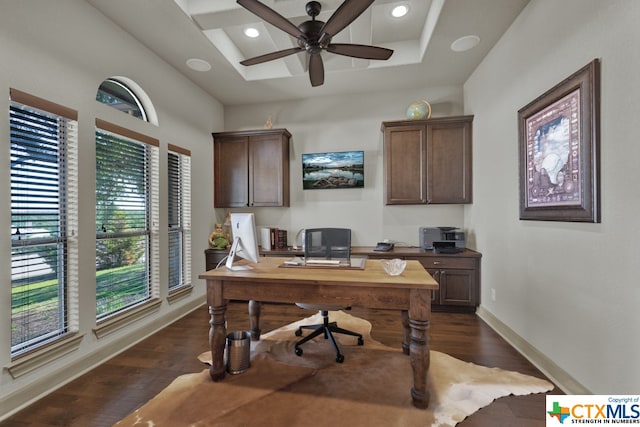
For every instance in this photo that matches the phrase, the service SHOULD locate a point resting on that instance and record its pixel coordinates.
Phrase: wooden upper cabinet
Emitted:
(231, 172)
(251, 168)
(428, 161)
(269, 170)
(405, 155)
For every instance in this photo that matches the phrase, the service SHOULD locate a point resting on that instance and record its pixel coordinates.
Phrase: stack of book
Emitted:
(273, 238)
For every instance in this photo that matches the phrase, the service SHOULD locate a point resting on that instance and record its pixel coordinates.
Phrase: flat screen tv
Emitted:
(336, 169)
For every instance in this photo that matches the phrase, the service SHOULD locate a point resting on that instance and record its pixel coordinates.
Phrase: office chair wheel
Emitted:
(339, 358)
(360, 341)
(298, 351)
(298, 332)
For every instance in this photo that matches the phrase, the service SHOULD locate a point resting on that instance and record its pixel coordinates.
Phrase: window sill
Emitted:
(31, 361)
(120, 320)
(177, 294)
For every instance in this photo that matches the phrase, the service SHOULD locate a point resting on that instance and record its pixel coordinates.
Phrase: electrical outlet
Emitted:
(493, 294)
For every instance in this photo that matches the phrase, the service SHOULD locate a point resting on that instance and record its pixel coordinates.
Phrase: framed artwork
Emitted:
(559, 141)
(337, 169)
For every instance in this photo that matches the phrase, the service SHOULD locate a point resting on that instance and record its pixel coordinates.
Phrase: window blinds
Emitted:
(43, 189)
(124, 194)
(179, 213)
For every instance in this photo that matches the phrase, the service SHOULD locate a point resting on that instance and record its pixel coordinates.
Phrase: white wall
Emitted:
(342, 123)
(62, 51)
(570, 290)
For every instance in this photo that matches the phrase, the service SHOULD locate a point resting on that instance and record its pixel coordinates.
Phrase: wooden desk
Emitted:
(370, 288)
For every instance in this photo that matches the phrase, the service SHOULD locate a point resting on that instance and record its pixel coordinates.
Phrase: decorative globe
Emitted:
(419, 110)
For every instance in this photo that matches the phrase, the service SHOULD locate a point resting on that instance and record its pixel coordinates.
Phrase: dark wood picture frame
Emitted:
(559, 137)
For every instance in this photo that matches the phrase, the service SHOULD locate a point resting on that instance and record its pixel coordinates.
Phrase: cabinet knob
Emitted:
(436, 262)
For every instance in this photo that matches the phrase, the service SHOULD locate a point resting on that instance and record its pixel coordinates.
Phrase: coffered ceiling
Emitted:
(213, 31)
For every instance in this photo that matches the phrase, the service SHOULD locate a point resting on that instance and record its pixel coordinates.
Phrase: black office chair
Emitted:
(328, 244)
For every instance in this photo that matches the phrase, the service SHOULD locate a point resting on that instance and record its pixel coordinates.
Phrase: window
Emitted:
(127, 96)
(118, 95)
(43, 221)
(179, 216)
(126, 218)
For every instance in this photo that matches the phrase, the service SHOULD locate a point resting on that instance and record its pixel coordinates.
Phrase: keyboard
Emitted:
(323, 261)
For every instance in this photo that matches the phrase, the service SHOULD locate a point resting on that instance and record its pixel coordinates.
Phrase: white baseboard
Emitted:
(551, 370)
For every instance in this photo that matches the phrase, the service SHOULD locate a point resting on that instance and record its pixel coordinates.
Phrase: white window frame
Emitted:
(111, 320)
(65, 239)
(182, 189)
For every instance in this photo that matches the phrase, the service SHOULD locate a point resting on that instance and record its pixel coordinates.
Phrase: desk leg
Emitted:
(406, 332)
(218, 329)
(254, 319)
(419, 317)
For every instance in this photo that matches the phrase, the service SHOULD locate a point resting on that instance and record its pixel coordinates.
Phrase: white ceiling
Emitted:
(212, 30)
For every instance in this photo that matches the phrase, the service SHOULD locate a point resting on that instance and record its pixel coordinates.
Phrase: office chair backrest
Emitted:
(328, 243)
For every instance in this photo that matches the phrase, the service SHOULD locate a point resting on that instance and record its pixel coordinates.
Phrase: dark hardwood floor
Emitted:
(114, 389)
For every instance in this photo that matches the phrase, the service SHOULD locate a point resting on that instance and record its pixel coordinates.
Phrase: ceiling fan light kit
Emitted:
(314, 36)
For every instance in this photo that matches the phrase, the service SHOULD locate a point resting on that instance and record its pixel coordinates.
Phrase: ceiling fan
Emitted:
(315, 36)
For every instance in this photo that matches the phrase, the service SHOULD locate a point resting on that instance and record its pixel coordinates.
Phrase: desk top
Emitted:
(269, 270)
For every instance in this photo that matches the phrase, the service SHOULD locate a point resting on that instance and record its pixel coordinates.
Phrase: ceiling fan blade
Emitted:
(348, 11)
(272, 17)
(360, 51)
(271, 56)
(316, 70)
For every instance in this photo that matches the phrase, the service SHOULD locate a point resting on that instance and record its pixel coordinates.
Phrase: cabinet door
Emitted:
(230, 166)
(457, 287)
(449, 162)
(404, 157)
(268, 170)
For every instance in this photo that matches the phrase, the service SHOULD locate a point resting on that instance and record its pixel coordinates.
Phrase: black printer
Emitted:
(442, 239)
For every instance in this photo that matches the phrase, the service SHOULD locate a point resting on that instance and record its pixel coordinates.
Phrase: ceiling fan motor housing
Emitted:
(312, 30)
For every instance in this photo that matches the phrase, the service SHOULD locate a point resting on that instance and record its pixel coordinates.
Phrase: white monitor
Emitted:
(245, 242)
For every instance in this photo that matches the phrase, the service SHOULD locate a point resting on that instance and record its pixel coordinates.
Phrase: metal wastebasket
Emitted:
(238, 352)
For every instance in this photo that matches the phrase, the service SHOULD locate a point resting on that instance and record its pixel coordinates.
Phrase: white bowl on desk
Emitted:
(393, 267)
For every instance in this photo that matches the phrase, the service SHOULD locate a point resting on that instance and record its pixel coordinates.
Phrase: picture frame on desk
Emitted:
(559, 144)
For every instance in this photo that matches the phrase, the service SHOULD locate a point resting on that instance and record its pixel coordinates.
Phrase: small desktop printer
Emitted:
(441, 239)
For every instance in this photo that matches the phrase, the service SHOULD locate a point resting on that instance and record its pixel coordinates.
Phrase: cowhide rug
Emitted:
(371, 388)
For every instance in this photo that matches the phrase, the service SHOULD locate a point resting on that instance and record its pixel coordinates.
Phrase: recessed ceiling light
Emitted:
(251, 32)
(198, 64)
(399, 11)
(465, 43)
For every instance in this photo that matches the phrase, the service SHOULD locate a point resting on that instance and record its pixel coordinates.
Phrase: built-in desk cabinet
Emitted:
(213, 257)
(458, 277)
(251, 168)
(428, 161)
(457, 274)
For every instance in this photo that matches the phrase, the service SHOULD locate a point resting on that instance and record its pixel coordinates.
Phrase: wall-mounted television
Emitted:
(336, 169)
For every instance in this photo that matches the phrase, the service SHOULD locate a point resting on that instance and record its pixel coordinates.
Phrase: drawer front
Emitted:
(384, 255)
(445, 262)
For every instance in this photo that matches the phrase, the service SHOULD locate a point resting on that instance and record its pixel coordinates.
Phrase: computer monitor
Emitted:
(245, 242)
(327, 246)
